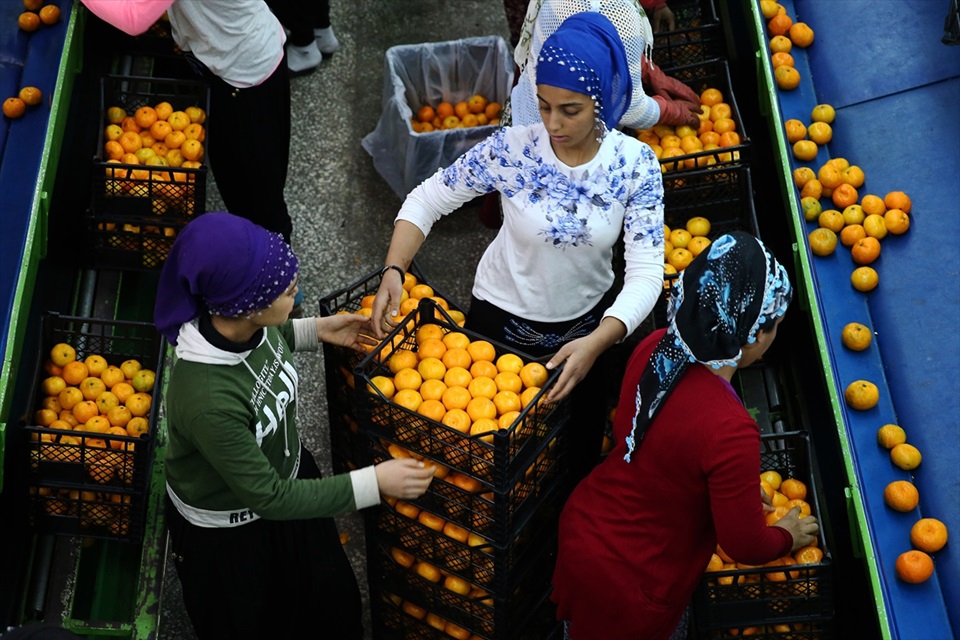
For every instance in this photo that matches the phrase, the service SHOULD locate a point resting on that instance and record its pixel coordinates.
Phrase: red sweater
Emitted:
(635, 538)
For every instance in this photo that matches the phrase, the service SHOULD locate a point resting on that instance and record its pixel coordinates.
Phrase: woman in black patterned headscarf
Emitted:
(683, 475)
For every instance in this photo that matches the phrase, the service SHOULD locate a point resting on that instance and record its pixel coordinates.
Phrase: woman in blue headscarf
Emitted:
(250, 519)
(637, 533)
(569, 187)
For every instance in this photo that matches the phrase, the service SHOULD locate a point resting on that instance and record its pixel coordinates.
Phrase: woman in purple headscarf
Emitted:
(250, 517)
(569, 187)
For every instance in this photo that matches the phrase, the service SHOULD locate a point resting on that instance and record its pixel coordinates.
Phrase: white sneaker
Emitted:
(304, 59)
(326, 40)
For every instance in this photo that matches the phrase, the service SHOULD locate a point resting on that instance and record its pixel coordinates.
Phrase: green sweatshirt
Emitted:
(233, 449)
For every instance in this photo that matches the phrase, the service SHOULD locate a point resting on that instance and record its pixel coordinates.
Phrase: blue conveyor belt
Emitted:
(896, 88)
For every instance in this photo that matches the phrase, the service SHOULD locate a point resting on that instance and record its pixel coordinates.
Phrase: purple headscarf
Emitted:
(221, 264)
(585, 54)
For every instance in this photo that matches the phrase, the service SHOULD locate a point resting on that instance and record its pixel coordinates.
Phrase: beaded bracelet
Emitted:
(383, 272)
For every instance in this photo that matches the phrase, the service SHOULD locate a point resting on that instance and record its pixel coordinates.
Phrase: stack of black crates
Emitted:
(471, 558)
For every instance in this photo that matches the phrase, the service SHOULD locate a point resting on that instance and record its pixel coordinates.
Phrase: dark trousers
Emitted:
(587, 400)
(301, 17)
(248, 147)
(267, 579)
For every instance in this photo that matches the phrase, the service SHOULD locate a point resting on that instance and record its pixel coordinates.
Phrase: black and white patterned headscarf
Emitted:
(719, 303)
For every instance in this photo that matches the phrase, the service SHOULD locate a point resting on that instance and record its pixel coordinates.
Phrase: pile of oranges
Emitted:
(36, 14)
(88, 412)
(784, 35)
(435, 621)
(681, 246)
(785, 494)
(476, 111)
(717, 130)
(15, 107)
(806, 139)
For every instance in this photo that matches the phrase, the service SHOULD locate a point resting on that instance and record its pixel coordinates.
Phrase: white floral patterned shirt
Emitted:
(552, 259)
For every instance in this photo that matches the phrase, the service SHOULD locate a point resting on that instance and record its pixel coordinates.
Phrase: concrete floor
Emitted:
(343, 210)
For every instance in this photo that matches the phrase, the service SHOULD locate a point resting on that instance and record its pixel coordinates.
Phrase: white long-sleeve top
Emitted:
(552, 260)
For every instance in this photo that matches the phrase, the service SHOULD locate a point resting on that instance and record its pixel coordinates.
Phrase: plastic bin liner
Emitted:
(429, 73)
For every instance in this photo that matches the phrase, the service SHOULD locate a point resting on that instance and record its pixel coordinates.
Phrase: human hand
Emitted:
(677, 112)
(803, 530)
(350, 330)
(767, 502)
(385, 314)
(404, 478)
(577, 357)
(663, 20)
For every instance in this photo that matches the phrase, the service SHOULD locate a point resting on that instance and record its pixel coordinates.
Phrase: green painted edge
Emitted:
(809, 289)
(36, 239)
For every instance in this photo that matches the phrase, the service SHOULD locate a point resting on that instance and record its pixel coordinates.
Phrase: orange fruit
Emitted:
(679, 259)
(803, 175)
(823, 113)
(196, 114)
(823, 241)
(484, 425)
(85, 410)
(711, 96)
(829, 176)
(793, 489)
(431, 348)
(483, 369)
(461, 109)
(427, 571)
(896, 221)
(432, 409)
(481, 350)
(787, 78)
(906, 456)
(28, 21)
(801, 34)
(107, 401)
(457, 376)
(864, 279)
(75, 372)
(856, 336)
(69, 397)
(31, 96)
(851, 233)
(533, 374)
(145, 117)
(191, 149)
(130, 141)
(432, 389)
(773, 478)
(409, 399)
(813, 189)
(457, 419)
(897, 200)
(91, 387)
(779, 24)
(492, 110)
(801, 504)
(506, 420)
(808, 555)
(454, 397)
(914, 566)
(853, 214)
(890, 435)
(861, 395)
(445, 109)
(853, 176)
(14, 108)
(844, 195)
(820, 132)
(805, 150)
(431, 369)
(865, 250)
(119, 416)
(195, 131)
(697, 245)
(780, 44)
(506, 402)
(476, 104)
(929, 535)
(178, 120)
(459, 358)
(175, 139)
(137, 426)
(795, 129)
(872, 204)
(50, 14)
(481, 407)
(769, 8)
(782, 58)
(901, 495)
(831, 219)
(97, 424)
(509, 362)
(723, 125)
(527, 396)
(383, 384)
(139, 404)
(720, 111)
(508, 381)
(875, 226)
(426, 113)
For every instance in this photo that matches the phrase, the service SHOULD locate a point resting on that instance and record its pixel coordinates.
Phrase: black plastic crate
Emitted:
(722, 194)
(814, 629)
(698, 36)
(85, 482)
(126, 198)
(348, 448)
(485, 613)
(498, 459)
(763, 595)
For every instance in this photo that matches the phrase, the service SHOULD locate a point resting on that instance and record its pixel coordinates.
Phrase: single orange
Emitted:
(914, 566)
(28, 21)
(720, 111)
(851, 233)
(864, 279)
(711, 96)
(808, 555)
(805, 150)
(865, 250)
(929, 534)
(875, 226)
(823, 113)
(780, 44)
(426, 113)
(782, 58)
(856, 336)
(861, 395)
(14, 108)
(820, 132)
(890, 435)
(794, 489)
(461, 109)
(801, 34)
(772, 477)
(897, 200)
(831, 219)
(50, 14)
(901, 495)
(844, 195)
(803, 175)
(481, 350)
(477, 104)
(829, 176)
(823, 241)
(492, 110)
(906, 456)
(853, 176)
(779, 24)
(680, 258)
(483, 369)
(896, 221)
(853, 214)
(444, 109)
(31, 96)
(795, 129)
(769, 8)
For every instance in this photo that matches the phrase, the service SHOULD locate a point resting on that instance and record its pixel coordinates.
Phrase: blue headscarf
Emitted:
(221, 264)
(717, 305)
(585, 54)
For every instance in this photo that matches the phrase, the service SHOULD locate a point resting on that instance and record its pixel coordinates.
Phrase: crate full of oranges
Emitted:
(150, 178)
(90, 429)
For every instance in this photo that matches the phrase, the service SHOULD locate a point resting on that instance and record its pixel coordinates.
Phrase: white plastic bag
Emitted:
(427, 74)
